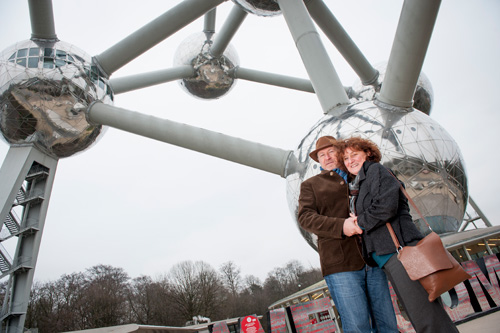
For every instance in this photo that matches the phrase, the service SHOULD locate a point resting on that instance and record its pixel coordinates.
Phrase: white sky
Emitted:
(144, 206)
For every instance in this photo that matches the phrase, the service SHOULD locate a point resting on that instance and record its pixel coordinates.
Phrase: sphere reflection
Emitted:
(423, 97)
(212, 80)
(418, 150)
(260, 7)
(45, 88)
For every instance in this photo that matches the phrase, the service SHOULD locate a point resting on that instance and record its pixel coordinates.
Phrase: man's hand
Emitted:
(351, 226)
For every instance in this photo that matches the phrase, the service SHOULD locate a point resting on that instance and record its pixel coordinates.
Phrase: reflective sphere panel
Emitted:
(260, 7)
(212, 80)
(418, 150)
(45, 89)
(422, 99)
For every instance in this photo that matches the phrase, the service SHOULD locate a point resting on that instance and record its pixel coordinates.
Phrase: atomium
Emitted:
(45, 88)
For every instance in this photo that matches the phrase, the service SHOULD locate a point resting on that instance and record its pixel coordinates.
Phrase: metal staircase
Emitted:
(12, 224)
(23, 217)
(5, 260)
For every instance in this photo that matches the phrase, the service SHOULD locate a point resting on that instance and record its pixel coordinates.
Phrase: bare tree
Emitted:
(211, 290)
(197, 289)
(310, 277)
(141, 296)
(253, 299)
(150, 302)
(285, 280)
(164, 313)
(3, 290)
(231, 277)
(184, 287)
(70, 310)
(105, 297)
(41, 307)
(54, 306)
(252, 283)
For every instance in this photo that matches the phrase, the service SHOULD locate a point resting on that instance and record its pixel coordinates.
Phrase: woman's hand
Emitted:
(351, 226)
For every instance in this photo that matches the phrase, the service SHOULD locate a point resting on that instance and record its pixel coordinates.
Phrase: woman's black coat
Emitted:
(380, 200)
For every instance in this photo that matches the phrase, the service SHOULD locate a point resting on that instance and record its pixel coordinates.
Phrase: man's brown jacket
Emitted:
(323, 207)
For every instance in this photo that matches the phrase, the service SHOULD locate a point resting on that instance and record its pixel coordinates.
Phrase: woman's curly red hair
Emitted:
(365, 145)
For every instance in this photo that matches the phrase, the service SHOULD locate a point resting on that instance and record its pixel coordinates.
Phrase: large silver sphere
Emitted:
(260, 7)
(419, 151)
(423, 98)
(45, 88)
(212, 78)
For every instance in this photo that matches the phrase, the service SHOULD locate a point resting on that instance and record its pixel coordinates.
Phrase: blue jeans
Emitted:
(363, 300)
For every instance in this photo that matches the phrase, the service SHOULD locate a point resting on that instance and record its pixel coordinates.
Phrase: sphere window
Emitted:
(21, 62)
(80, 59)
(48, 63)
(60, 63)
(48, 52)
(34, 52)
(22, 53)
(33, 62)
(51, 58)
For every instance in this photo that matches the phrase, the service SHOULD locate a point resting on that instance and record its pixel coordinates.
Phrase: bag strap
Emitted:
(394, 238)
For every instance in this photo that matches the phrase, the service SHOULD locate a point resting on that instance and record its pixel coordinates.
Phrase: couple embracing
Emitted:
(347, 206)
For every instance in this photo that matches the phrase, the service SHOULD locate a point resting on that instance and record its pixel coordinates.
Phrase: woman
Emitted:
(380, 200)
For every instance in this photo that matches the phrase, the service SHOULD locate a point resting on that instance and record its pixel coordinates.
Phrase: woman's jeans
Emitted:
(363, 300)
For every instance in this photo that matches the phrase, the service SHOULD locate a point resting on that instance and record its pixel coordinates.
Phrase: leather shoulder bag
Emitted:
(428, 261)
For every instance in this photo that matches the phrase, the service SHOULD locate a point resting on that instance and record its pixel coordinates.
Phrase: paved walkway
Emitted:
(486, 324)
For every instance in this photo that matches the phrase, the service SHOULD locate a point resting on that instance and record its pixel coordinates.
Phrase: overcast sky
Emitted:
(144, 205)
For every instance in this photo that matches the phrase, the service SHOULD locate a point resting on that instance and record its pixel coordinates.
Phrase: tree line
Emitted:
(103, 296)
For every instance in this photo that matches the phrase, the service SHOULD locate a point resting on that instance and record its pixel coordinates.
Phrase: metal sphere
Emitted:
(212, 79)
(45, 89)
(422, 99)
(415, 147)
(260, 7)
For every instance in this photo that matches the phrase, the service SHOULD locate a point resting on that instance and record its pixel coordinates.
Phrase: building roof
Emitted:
(455, 240)
(318, 286)
(135, 328)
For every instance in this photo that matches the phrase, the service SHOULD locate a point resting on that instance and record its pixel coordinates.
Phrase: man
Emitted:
(360, 292)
